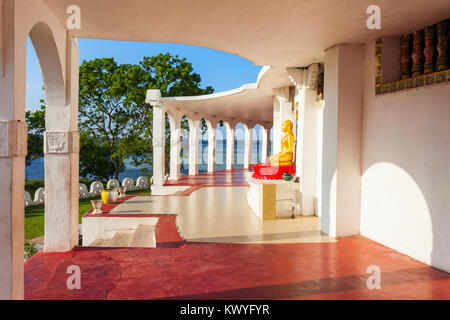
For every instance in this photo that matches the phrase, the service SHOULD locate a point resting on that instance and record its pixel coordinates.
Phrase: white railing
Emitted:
(95, 189)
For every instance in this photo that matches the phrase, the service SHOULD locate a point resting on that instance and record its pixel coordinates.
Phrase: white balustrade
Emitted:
(96, 187)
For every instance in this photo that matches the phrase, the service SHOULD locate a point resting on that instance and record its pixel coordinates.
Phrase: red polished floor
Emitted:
(222, 178)
(181, 270)
(176, 269)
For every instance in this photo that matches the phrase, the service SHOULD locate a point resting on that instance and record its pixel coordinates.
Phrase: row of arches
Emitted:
(189, 140)
(221, 146)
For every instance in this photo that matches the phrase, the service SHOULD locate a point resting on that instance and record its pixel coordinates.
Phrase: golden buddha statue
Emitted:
(285, 157)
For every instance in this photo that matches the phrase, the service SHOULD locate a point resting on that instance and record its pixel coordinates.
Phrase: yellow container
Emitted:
(109, 196)
(104, 195)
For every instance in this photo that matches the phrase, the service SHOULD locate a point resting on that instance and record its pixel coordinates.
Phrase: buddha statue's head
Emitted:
(287, 126)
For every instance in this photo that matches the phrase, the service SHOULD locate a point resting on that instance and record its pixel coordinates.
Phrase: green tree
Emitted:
(95, 160)
(36, 127)
(112, 104)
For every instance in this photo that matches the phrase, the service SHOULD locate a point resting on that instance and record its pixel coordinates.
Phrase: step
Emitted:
(120, 239)
(143, 237)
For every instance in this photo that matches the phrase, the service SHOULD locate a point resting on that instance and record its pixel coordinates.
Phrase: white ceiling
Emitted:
(282, 33)
(277, 33)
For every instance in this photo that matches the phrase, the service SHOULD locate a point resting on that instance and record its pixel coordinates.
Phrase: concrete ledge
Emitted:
(95, 228)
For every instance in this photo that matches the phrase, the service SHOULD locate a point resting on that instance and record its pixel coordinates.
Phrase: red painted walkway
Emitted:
(232, 271)
(176, 269)
(184, 270)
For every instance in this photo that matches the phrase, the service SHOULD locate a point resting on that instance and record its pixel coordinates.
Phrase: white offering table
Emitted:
(272, 199)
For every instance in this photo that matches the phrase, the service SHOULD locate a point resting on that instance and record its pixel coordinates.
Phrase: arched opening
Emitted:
(167, 135)
(203, 147)
(239, 145)
(184, 147)
(46, 106)
(221, 146)
(256, 153)
(270, 142)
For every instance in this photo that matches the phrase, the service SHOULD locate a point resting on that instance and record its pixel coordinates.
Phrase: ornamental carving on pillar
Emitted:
(57, 142)
(61, 142)
(13, 138)
(442, 46)
(417, 54)
(428, 51)
(175, 142)
(378, 62)
(423, 62)
(405, 60)
(4, 139)
(158, 142)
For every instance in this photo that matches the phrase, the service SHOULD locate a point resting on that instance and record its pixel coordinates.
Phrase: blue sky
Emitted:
(222, 71)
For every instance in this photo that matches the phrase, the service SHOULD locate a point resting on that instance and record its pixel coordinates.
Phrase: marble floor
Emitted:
(221, 214)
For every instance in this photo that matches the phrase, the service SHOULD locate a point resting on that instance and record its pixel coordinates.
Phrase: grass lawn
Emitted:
(34, 215)
(142, 192)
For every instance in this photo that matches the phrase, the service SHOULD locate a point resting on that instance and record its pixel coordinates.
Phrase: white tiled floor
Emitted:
(221, 214)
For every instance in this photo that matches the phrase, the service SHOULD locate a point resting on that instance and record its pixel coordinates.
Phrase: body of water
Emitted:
(35, 171)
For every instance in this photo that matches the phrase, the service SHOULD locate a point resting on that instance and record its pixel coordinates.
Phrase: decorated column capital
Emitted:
(313, 73)
(175, 142)
(61, 142)
(13, 138)
(153, 97)
(296, 77)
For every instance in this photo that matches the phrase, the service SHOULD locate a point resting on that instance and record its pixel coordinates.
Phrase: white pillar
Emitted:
(248, 146)
(264, 144)
(13, 148)
(61, 151)
(306, 153)
(230, 146)
(212, 132)
(283, 110)
(194, 130)
(342, 127)
(153, 98)
(175, 145)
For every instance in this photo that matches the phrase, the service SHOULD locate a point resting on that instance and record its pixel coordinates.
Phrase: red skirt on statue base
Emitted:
(266, 171)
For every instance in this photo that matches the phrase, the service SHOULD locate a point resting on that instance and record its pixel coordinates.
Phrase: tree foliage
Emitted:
(115, 123)
(36, 127)
(112, 108)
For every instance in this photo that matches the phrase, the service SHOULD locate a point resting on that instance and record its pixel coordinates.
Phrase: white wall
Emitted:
(405, 169)
(341, 148)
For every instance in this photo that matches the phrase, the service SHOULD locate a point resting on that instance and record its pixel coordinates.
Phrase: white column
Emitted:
(230, 146)
(341, 154)
(61, 151)
(283, 110)
(194, 130)
(212, 133)
(13, 144)
(264, 144)
(153, 98)
(175, 145)
(248, 142)
(306, 153)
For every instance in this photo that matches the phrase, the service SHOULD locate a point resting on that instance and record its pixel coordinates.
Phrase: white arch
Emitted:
(260, 140)
(56, 99)
(194, 127)
(212, 138)
(230, 129)
(175, 145)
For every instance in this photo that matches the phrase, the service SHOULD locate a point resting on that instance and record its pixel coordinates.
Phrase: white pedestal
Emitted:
(272, 199)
